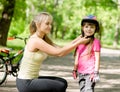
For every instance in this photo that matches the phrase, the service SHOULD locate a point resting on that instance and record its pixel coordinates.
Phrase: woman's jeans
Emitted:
(42, 84)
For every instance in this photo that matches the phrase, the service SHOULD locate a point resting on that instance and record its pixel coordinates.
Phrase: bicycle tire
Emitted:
(3, 71)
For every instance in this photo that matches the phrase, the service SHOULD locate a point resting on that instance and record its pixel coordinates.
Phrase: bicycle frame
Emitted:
(6, 62)
(14, 68)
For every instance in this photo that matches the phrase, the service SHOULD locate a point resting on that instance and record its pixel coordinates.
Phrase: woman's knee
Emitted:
(63, 81)
(62, 87)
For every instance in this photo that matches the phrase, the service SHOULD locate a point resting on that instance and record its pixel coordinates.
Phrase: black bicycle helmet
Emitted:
(91, 19)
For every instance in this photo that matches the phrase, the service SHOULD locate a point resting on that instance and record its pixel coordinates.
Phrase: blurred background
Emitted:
(16, 15)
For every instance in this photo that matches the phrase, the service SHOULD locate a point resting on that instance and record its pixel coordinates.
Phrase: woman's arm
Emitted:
(37, 43)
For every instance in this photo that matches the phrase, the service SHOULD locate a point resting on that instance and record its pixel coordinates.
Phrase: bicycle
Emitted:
(7, 59)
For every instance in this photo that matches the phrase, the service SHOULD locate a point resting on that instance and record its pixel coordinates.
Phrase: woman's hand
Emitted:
(84, 40)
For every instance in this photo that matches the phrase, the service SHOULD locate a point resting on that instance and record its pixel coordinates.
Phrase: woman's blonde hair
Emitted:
(39, 19)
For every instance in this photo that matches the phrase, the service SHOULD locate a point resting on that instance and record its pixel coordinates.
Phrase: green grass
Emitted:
(111, 46)
(18, 44)
(15, 44)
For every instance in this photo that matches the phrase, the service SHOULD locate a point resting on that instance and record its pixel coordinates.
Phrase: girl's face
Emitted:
(45, 26)
(89, 29)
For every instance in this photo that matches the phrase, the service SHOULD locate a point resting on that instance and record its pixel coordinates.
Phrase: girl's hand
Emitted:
(95, 77)
(74, 74)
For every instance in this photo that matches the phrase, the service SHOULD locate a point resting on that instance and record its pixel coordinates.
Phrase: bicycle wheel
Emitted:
(3, 71)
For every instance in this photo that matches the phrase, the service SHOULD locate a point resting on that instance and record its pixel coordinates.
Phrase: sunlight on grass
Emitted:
(111, 46)
(16, 44)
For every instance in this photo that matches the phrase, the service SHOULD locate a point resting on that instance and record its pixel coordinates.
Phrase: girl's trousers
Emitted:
(86, 85)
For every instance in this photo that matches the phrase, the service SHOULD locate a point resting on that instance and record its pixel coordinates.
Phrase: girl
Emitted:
(36, 50)
(87, 56)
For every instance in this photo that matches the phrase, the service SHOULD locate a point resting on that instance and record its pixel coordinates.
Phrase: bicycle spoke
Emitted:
(3, 73)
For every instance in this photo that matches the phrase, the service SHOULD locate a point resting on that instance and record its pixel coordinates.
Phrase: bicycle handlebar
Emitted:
(17, 37)
(7, 50)
(25, 39)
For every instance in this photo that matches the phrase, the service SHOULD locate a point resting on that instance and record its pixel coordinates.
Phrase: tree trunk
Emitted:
(5, 20)
(116, 35)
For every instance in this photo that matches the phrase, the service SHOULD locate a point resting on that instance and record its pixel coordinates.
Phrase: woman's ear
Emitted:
(37, 25)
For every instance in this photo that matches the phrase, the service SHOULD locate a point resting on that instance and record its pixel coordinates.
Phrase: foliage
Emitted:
(18, 22)
(67, 16)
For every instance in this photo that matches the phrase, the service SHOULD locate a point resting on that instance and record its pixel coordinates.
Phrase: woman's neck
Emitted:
(40, 35)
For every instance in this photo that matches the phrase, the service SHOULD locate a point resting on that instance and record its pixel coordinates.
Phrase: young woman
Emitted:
(36, 50)
(87, 56)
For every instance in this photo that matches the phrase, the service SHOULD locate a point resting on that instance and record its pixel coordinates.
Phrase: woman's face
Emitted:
(45, 26)
(89, 29)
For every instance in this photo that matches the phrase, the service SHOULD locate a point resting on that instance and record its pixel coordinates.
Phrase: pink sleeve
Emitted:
(80, 48)
(77, 49)
(97, 45)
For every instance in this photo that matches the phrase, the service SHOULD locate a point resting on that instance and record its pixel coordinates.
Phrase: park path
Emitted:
(62, 67)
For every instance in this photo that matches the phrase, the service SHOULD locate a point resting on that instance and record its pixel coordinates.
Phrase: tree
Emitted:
(116, 35)
(5, 20)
